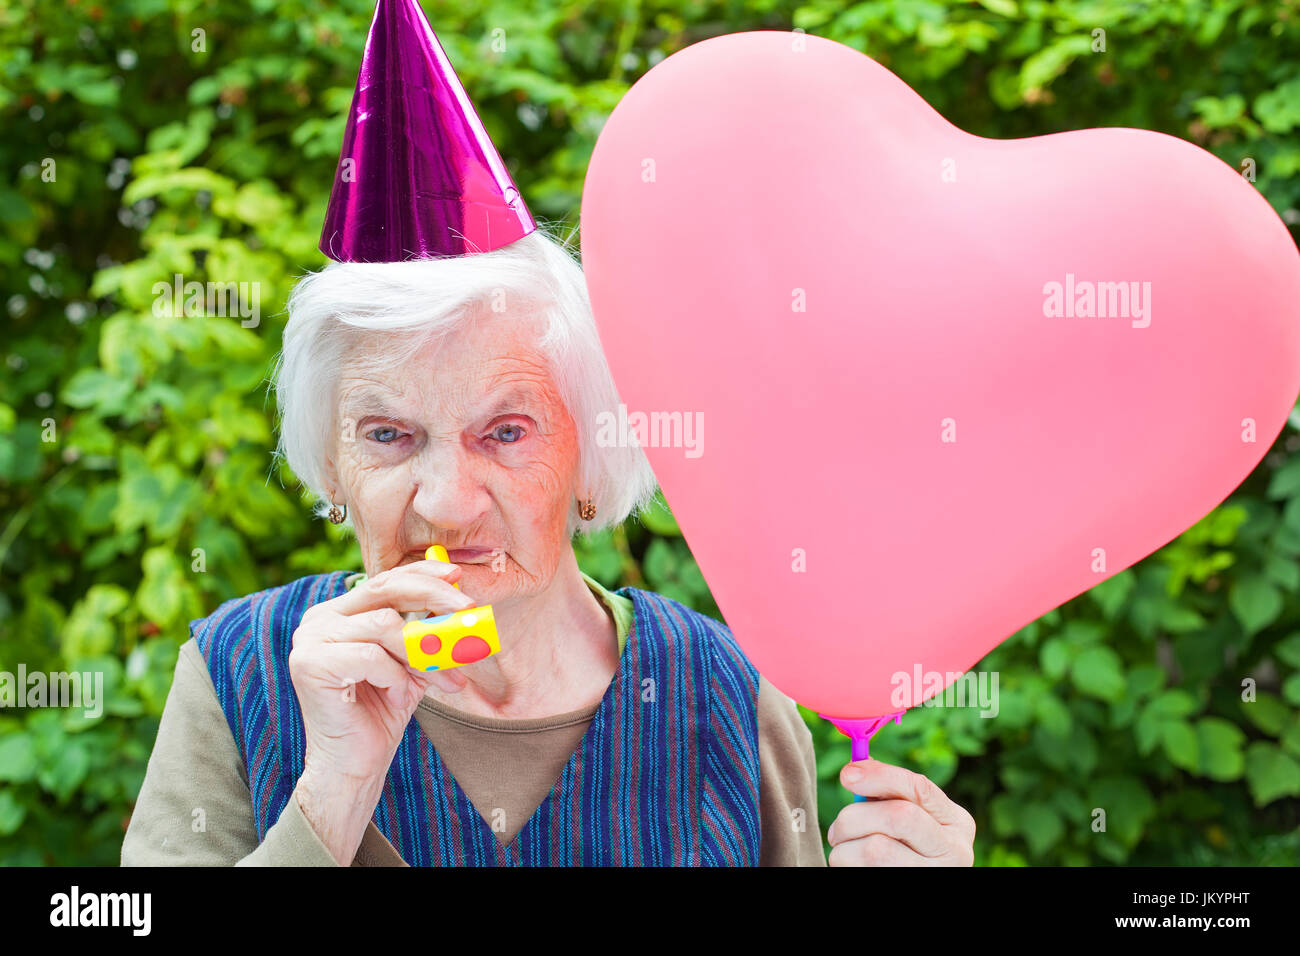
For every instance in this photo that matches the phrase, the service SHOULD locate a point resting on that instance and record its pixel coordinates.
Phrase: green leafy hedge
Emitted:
(145, 139)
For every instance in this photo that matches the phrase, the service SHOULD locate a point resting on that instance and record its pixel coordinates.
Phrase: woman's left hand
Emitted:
(907, 821)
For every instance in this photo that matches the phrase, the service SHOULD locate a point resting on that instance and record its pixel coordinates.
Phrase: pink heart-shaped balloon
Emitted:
(945, 383)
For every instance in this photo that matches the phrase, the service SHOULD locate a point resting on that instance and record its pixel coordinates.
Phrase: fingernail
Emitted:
(853, 774)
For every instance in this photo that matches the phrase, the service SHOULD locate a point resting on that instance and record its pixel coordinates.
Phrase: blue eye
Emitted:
(383, 430)
(515, 430)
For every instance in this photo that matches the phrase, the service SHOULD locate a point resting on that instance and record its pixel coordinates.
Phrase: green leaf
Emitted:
(101, 93)
(1291, 689)
(1054, 716)
(1112, 593)
(1020, 778)
(1288, 650)
(1054, 658)
(1148, 731)
(1279, 109)
(1256, 602)
(1041, 826)
(1079, 755)
(1128, 805)
(1098, 672)
(90, 629)
(1044, 66)
(1285, 482)
(21, 453)
(160, 597)
(12, 813)
(1216, 18)
(17, 757)
(1173, 703)
(258, 204)
(190, 179)
(1283, 572)
(156, 497)
(1181, 744)
(95, 388)
(1218, 112)
(1290, 738)
(1267, 712)
(1080, 633)
(1003, 8)
(1221, 748)
(1270, 773)
(1004, 811)
(1016, 709)
(660, 563)
(1144, 681)
(62, 775)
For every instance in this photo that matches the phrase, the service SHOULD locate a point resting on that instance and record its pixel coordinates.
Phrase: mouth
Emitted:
(472, 555)
(477, 555)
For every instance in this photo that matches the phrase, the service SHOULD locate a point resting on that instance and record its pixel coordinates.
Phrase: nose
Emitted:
(449, 487)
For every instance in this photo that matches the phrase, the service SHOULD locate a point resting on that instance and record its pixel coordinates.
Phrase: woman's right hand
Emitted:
(357, 693)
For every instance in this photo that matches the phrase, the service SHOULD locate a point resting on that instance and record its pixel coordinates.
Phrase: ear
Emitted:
(331, 478)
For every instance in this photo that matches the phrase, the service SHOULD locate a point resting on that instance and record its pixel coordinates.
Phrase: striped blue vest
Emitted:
(667, 772)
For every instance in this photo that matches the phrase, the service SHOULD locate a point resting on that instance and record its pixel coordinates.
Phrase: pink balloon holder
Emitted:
(860, 730)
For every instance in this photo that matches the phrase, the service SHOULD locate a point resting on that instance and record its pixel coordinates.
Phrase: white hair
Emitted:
(331, 312)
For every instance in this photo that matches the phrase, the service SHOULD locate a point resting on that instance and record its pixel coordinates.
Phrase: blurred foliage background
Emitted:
(147, 138)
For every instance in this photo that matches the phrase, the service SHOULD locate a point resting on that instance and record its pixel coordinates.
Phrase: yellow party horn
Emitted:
(438, 553)
(450, 640)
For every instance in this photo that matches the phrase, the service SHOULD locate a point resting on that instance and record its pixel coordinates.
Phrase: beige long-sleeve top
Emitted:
(195, 807)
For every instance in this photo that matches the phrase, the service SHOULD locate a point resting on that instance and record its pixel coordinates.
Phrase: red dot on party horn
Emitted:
(469, 649)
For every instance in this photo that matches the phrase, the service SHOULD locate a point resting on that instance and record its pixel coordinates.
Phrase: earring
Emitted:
(586, 510)
(336, 515)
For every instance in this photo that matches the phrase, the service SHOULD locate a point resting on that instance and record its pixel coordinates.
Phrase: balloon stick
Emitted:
(860, 730)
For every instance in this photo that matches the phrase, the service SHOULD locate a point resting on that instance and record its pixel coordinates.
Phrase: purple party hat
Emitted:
(418, 177)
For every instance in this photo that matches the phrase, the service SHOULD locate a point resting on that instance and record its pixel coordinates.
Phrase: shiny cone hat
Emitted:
(418, 177)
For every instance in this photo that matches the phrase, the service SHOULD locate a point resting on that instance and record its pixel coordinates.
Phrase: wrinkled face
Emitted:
(469, 446)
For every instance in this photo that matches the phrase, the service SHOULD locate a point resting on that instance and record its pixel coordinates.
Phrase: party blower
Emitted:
(1009, 369)
(450, 640)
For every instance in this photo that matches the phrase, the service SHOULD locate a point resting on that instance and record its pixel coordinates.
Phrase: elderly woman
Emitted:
(611, 728)
(454, 400)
